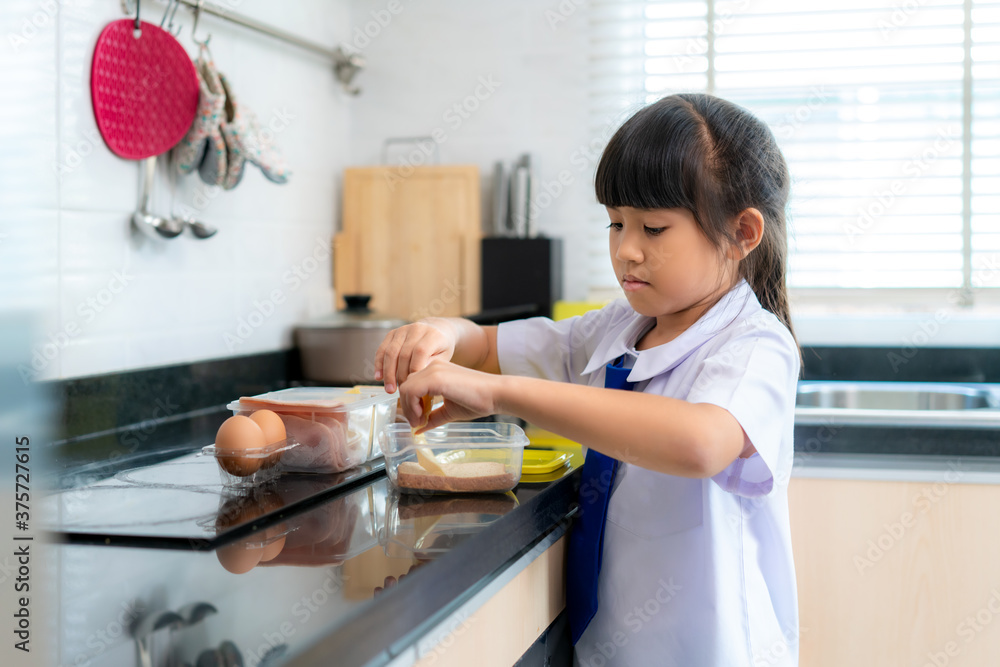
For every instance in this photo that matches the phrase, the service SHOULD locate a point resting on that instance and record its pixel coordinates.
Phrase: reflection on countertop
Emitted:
(362, 563)
(182, 503)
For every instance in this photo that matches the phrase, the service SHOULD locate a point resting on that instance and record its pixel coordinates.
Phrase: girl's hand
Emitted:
(468, 394)
(409, 349)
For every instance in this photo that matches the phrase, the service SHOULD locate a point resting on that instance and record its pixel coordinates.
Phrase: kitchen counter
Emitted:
(363, 574)
(898, 468)
(364, 577)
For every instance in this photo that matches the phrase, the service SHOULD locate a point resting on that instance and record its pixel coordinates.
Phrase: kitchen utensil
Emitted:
(197, 228)
(519, 186)
(530, 211)
(146, 628)
(500, 197)
(152, 225)
(340, 348)
(195, 612)
(143, 87)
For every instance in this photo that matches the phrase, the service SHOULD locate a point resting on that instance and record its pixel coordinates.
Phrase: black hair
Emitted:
(715, 159)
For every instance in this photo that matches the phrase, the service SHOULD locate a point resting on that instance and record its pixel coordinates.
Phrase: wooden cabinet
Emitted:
(411, 238)
(897, 573)
(499, 632)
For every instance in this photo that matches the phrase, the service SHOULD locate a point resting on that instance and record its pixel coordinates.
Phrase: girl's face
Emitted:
(666, 264)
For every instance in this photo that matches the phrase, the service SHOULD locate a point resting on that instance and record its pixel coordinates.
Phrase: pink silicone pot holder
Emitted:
(144, 89)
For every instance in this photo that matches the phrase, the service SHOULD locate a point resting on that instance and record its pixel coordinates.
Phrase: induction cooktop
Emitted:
(182, 503)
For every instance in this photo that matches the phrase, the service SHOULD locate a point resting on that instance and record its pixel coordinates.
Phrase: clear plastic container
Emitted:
(233, 463)
(334, 427)
(429, 527)
(328, 534)
(479, 457)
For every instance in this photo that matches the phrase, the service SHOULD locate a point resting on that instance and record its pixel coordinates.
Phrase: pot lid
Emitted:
(356, 315)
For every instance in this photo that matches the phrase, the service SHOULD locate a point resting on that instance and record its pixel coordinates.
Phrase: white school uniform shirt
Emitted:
(696, 572)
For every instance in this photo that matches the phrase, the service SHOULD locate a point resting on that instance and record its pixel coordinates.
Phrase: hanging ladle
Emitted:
(198, 228)
(152, 225)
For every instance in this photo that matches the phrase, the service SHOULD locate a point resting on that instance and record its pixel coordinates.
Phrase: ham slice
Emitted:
(324, 444)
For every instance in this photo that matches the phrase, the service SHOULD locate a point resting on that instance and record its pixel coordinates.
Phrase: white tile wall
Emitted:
(66, 248)
(432, 55)
(64, 219)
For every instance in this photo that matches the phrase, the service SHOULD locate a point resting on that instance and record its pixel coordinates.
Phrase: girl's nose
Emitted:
(629, 248)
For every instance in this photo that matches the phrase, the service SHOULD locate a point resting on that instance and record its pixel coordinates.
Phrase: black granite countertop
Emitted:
(316, 568)
(321, 562)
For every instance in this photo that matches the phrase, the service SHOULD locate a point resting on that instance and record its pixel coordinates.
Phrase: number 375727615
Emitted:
(22, 481)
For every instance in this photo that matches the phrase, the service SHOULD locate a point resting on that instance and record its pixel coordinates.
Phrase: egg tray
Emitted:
(268, 469)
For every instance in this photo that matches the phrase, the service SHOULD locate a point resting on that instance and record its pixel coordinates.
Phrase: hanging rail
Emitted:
(346, 65)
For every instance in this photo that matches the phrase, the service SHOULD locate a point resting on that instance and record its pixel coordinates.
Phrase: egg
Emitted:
(272, 549)
(239, 557)
(274, 431)
(238, 434)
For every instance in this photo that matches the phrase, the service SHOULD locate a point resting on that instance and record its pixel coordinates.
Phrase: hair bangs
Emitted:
(652, 161)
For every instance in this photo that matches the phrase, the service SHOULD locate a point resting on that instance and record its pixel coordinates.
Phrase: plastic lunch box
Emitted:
(330, 429)
(478, 457)
(271, 456)
(429, 527)
(328, 534)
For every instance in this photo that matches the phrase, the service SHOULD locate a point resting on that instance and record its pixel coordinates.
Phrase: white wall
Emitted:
(64, 231)
(433, 56)
(67, 198)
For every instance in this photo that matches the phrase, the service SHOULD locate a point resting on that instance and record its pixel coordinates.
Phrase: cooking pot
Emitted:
(340, 348)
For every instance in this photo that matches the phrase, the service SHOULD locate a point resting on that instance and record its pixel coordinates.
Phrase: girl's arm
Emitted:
(475, 345)
(655, 432)
(410, 348)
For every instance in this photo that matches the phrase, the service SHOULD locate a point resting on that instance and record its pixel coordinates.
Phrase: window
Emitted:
(888, 113)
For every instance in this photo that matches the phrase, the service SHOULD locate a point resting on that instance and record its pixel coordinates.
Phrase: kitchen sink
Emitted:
(920, 404)
(893, 396)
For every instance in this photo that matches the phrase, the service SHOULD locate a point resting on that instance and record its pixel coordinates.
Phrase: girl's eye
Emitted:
(655, 231)
(617, 226)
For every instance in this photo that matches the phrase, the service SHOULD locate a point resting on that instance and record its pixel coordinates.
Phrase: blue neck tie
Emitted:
(586, 541)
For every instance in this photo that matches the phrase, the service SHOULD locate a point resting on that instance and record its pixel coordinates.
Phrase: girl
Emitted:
(693, 548)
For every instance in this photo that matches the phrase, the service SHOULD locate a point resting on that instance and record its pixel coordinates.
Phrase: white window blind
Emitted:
(887, 112)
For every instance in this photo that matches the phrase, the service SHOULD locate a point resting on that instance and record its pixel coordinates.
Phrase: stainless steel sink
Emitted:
(893, 396)
(898, 403)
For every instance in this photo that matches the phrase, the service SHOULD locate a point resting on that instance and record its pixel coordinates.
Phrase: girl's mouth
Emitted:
(630, 283)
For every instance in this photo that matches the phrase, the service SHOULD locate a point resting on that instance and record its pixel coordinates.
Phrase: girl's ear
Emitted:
(749, 232)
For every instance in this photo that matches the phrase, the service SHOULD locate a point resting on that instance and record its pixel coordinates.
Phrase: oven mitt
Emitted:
(247, 142)
(234, 129)
(193, 148)
(262, 152)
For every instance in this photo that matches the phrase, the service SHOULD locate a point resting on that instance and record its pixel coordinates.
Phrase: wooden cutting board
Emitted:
(411, 239)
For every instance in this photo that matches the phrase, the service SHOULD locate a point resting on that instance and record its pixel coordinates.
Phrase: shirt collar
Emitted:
(737, 303)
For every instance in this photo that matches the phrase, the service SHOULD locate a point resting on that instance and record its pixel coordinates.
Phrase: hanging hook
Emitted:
(194, 27)
(171, 9)
(137, 30)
